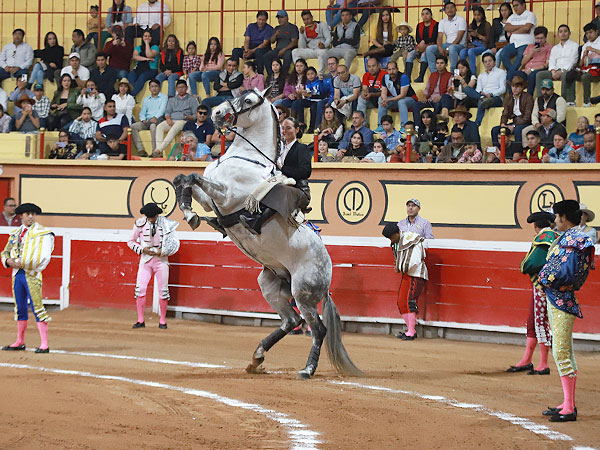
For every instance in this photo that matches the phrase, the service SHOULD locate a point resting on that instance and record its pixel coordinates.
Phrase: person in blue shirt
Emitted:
(561, 152)
(315, 97)
(257, 41)
(358, 124)
(390, 135)
(202, 127)
(151, 114)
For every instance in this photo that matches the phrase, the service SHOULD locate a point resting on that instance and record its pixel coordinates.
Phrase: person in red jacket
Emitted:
(437, 89)
(535, 152)
(8, 218)
(171, 63)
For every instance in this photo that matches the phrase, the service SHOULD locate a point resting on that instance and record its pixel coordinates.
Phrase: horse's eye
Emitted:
(247, 101)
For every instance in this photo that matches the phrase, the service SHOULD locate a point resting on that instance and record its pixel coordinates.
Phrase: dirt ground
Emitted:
(69, 411)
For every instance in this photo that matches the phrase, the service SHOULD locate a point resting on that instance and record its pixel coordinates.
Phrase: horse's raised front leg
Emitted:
(215, 190)
(183, 194)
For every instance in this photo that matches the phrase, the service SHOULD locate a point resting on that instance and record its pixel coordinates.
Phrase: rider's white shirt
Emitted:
(284, 151)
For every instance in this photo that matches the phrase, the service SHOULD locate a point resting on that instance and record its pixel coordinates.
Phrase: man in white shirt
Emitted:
(454, 28)
(3, 99)
(16, 57)
(491, 86)
(590, 56)
(520, 25)
(80, 74)
(148, 18)
(563, 57)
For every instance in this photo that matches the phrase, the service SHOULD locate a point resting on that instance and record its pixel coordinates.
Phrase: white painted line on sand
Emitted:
(301, 438)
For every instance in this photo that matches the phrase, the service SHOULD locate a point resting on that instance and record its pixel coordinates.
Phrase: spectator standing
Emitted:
(151, 114)
(227, 86)
(536, 57)
(78, 73)
(27, 120)
(252, 79)
(516, 115)
(64, 107)
(276, 83)
(104, 76)
(179, 109)
(491, 86)
(358, 125)
(146, 57)
(124, 101)
(331, 128)
(371, 87)
(42, 104)
(18, 92)
(588, 152)
(95, 31)
(521, 25)
(119, 52)
(211, 65)
(454, 29)
(590, 56)
(314, 38)
(87, 52)
(257, 41)
(563, 58)
(549, 127)
(150, 17)
(479, 38)
(202, 127)
(383, 36)
(426, 35)
(9, 218)
(396, 92)
(5, 121)
(576, 137)
(82, 128)
(285, 38)
(50, 59)
(561, 152)
(111, 126)
(346, 91)
(499, 36)
(118, 14)
(171, 63)
(15, 57)
(461, 116)
(346, 39)
(437, 89)
(91, 98)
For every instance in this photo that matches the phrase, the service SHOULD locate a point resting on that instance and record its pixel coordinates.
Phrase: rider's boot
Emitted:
(255, 222)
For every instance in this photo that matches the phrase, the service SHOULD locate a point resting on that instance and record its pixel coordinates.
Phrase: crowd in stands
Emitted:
(93, 105)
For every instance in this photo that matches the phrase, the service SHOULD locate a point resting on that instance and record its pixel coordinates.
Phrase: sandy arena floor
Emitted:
(426, 394)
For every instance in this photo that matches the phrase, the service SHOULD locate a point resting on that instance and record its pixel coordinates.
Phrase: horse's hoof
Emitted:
(303, 375)
(253, 369)
(178, 180)
(194, 222)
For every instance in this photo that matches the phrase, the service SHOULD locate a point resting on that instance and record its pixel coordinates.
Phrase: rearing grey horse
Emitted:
(294, 259)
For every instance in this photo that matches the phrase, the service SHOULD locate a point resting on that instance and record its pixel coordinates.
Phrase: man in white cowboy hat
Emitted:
(124, 101)
(588, 215)
(77, 72)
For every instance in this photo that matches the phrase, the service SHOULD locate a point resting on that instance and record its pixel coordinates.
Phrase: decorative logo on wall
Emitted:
(354, 202)
(544, 197)
(161, 192)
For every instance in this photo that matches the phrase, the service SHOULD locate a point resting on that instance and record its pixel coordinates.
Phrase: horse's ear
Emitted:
(267, 91)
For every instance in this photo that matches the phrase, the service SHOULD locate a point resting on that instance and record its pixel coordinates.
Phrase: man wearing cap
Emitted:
(87, 52)
(257, 41)
(588, 215)
(414, 222)
(80, 74)
(28, 252)
(26, 120)
(538, 328)
(549, 127)
(15, 57)
(42, 104)
(563, 57)
(549, 100)
(569, 261)
(285, 38)
(154, 239)
(314, 39)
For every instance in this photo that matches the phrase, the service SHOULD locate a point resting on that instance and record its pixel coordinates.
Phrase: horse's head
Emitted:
(238, 111)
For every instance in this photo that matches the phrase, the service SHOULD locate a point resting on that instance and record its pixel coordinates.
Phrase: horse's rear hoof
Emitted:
(252, 369)
(303, 375)
(194, 222)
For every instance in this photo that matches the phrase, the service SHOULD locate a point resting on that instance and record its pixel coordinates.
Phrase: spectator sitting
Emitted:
(314, 97)
(171, 63)
(113, 150)
(499, 36)
(78, 73)
(549, 100)
(561, 152)
(437, 89)
(479, 38)
(358, 124)
(575, 139)
(91, 98)
(596, 20)
(325, 155)
(27, 120)
(366, 8)
(536, 57)
(549, 127)
(346, 39)
(42, 105)
(119, 52)
(252, 79)
(534, 153)
(227, 86)
(329, 77)
(276, 83)
(563, 58)
(404, 47)
(9, 218)
(124, 101)
(285, 38)
(384, 35)
(20, 89)
(189, 149)
(430, 139)
(148, 18)
(146, 67)
(313, 41)
(16, 57)
(464, 78)
(257, 41)
(379, 153)
(331, 128)
(82, 128)
(461, 116)
(372, 82)
(64, 107)
(426, 36)
(5, 121)
(491, 86)
(516, 115)
(191, 64)
(398, 153)
(151, 114)
(86, 51)
(179, 109)
(396, 93)
(202, 127)
(472, 154)
(454, 150)
(295, 84)
(211, 65)
(454, 29)
(89, 150)
(119, 14)
(521, 25)
(356, 148)
(590, 57)
(50, 59)
(391, 137)
(588, 152)
(104, 76)
(346, 91)
(62, 148)
(112, 125)
(3, 99)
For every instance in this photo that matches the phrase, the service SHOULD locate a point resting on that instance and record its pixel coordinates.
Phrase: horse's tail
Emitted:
(335, 348)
